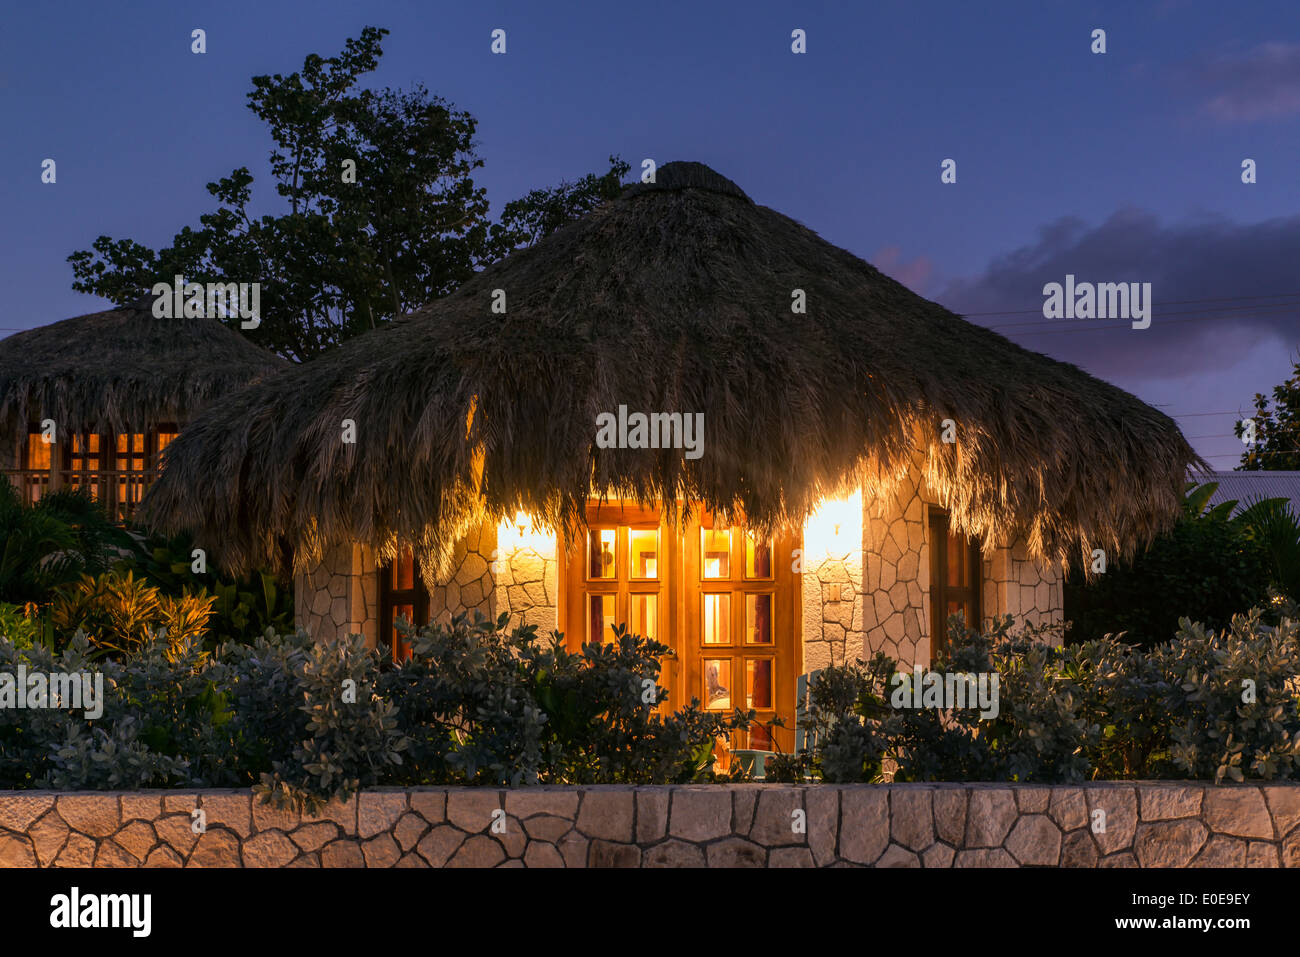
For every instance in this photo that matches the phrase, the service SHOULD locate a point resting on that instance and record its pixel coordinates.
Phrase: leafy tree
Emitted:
(63, 536)
(383, 214)
(1209, 567)
(1277, 429)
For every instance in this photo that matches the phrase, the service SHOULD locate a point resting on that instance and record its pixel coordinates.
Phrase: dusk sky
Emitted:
(1117, 167)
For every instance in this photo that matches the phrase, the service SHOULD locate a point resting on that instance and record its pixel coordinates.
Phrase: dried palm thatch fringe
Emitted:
(674, 297)
(122, 369)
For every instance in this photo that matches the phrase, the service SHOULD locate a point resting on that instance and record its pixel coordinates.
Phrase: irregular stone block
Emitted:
(18, 811)
(512, 839)
(478, 851)
(312, 837)
(342, 853)
(1261, 854)
(547, 827)
(440, 844)
(1284, 804)
(269, 849)
(378, 811)
(177, 831)
(95, 815)
(1068, 808)
(430, 805)
(984, 857)
(700, 814)
(1122, 859)
(542, 854)
(137, 838)
(48, 835)
(230, 809)
(307, 860)
(381, 851)
(864, 824)
(790, 857)
(181, 802)
(609, 854)
(1170, 803)
(471, 810)
(774, 818)
(78, 852)
(1291, 850)
(674, 854)
(1169, 843)
(16, 851)
(940, 855)
(989, 817)
(1032, 800)
(525, 802)
(1238, 811)
(735, 852)
(268, 818)
(950, 814)
(408, 830)
(896, 856)
(651, 814)
(412, 860)
(573, 848)
(112, 854)
(607, 814)
(141, 807)
(215, 849)
(910, 821)
(1035, 841)
(823, 806)
(1079, 850)
(1120, 805)
(1221, 851)
(163, 856)
(342, 813)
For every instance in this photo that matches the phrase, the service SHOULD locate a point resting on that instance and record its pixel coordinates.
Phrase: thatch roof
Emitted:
(123, 368)
(673, 297)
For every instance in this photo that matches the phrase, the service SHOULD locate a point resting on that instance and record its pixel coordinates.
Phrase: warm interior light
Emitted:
(835, 527)
(519, 533)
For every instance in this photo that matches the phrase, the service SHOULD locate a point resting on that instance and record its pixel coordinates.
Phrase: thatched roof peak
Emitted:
(674, 297)
(123, 368)
(679, 175)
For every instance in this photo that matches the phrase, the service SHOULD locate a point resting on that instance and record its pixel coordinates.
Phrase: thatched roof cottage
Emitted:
(828, 464)
(112, 389)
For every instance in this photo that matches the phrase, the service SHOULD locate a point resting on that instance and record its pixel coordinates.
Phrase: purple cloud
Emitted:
(1203, 260)
(1261, 84)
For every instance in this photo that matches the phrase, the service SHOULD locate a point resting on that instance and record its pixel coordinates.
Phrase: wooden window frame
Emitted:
(681, 591)
(106, 479)
(390, 598)
(941, 592)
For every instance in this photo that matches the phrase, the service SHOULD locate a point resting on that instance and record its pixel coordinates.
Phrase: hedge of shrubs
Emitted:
(478, 704)
(1220, 705)
(300, 721)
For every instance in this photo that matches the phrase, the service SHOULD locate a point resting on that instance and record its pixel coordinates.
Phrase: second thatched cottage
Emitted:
(825, 465)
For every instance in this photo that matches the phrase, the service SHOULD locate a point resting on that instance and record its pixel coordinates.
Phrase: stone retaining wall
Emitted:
(747, 825)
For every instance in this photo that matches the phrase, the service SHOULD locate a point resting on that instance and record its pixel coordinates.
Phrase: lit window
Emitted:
(715, 553)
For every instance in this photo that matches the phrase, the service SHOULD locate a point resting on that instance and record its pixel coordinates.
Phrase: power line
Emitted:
(1092, 325)
(1171, 302)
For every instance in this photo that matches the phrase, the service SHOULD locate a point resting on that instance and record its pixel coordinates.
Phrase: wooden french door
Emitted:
(725, 601)
(741, 648)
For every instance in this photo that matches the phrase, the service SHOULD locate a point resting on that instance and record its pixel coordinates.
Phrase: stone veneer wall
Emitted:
(909, 825)
(468, 586)
(895, 539)
(1016, 585)
(339, 595)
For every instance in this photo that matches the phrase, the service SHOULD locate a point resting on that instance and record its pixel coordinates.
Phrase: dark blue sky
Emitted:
(1115, 167)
